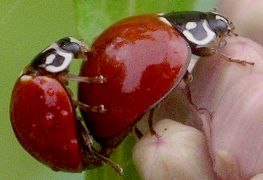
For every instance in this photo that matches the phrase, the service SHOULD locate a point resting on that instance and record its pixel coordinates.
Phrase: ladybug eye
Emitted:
(71, 45)
(73, 48)
(221, 19)
(220, 24)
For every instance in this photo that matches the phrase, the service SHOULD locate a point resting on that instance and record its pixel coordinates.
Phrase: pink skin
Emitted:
(232, 93)
(216, 87)
(246, 14)
(171, 156)
(236, 130)
(214, 75)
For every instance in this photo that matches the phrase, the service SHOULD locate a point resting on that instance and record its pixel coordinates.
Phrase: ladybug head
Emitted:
(57, 57)
(219, 24)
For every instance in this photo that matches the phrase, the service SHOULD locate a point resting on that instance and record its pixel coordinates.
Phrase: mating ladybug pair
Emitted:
(128, 70)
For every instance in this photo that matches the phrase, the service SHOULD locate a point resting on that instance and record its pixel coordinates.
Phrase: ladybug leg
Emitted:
(150, 123)
(198, 109)
(190, 98)
(71, 77)
(138, 133)
(89, 158)
(92, 156)
(86, 138)
(85, 107)
(238, 61)
(88, 108)
(188, 79)
(204, 51)
(107, 160)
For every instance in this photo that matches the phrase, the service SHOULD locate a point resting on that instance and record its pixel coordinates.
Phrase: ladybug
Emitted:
(143, 58)
(43, 113)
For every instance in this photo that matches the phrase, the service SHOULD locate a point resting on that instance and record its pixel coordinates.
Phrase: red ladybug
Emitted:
(143, 58)
(43, 113)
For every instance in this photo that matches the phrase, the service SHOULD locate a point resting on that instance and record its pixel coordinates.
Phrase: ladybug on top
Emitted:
(127, 71)
(142, 59)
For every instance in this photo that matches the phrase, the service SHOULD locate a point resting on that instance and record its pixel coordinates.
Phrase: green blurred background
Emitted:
(28, 26)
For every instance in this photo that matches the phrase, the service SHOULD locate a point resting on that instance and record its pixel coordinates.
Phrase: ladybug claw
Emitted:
(204, 51)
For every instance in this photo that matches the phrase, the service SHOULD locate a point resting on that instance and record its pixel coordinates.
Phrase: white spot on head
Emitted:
(160, 14)
(165, 21)
(25, 78)
(209, 38)
(190, 25)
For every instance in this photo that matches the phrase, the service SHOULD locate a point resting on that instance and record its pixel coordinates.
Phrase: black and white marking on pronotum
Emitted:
(57, 57)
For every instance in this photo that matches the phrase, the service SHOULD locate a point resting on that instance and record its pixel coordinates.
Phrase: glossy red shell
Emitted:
(143, 58)
(44, 122)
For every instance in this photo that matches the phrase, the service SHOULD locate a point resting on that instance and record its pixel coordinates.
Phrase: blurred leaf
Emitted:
(93, 16)
(205, 5)
(26, 28)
